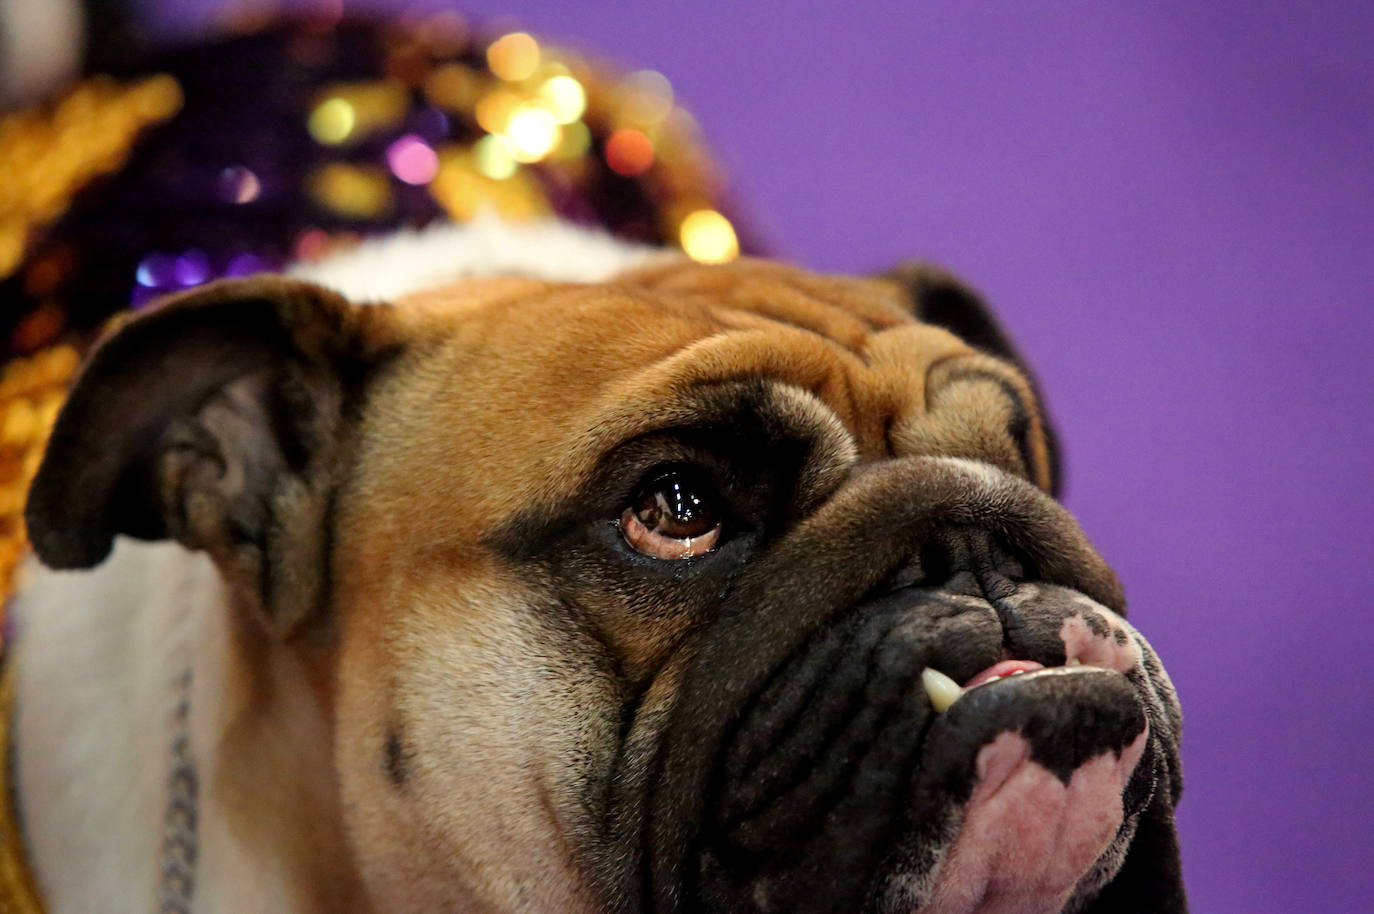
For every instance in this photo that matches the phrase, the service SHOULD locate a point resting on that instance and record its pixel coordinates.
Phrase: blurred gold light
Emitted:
(358, 193)
(465, 192)
(11, 245)
(533, 133)
(708, 237)
(19, 422)
(495, 109)
(349, 111)
(332, 121)
(47, 154)
(577, 139)
(493, 157)
(565, 97)
(378, 105)
(452, 86)
(158, 98)
(514, 57)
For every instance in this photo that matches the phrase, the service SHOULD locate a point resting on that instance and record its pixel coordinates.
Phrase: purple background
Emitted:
(1170, 203)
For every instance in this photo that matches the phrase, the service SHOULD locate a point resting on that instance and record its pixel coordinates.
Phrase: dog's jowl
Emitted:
(700, 589)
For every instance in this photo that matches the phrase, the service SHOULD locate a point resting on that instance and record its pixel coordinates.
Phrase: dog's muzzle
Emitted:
(809, 767)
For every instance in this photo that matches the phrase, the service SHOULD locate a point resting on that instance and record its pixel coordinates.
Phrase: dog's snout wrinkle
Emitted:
(990, 538)
(823, 701)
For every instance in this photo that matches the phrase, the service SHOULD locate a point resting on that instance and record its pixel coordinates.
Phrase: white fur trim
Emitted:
(385, 268)
(96, 656)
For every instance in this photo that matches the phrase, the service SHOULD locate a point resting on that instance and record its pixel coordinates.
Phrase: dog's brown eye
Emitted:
(672, 517)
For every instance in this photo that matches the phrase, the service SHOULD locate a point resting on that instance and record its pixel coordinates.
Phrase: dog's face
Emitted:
(633, 597)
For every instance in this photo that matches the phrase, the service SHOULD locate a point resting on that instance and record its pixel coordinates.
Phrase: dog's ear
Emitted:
(939, 298)
(216, 419)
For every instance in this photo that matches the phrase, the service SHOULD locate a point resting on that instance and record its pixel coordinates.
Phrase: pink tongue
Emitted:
(1003, 668)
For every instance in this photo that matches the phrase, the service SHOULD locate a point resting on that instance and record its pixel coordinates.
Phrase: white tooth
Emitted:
(1073, 661)
(942, 690)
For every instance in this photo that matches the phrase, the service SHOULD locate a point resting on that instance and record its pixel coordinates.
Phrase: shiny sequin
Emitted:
(629, 152)
(332, 121)
(533, 132)
(514, 57)
(412, 160)
(709, 237)
(565, 98)
(48, 154)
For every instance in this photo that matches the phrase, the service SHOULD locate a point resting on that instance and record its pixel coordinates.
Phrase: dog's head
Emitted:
(648, 595)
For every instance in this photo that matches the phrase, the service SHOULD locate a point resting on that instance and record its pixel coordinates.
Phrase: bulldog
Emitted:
(692, 588)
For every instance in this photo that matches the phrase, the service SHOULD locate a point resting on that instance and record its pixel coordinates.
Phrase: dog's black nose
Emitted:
(967, 561)
(974, 563)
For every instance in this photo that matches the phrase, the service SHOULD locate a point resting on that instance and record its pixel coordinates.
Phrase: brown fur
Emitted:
(470, 727)
(505, 405)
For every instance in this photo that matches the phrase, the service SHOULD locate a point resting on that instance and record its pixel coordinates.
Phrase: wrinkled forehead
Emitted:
(657, 332)
(518, 388)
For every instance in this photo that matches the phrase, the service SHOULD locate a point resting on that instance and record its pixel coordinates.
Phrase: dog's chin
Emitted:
(1019, 796)
(841, 787)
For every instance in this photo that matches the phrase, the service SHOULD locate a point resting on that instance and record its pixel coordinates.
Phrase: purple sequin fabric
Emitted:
(237, 181)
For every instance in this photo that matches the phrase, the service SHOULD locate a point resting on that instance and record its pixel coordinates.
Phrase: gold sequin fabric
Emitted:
(18, 895)
(286, 142)
(49, 153)
(31, 393)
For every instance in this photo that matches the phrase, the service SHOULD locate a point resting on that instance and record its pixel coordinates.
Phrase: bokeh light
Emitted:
(464, 191)
(514, 57)
(245, 264)
(553, 127)
(647, 98)
(347, 112)
(577, 139)
(312, 244)
(191, 269)
(708, 237)
(565, 97)
(238, 184)
(494, 110)
(629, 152)
(453, 86)
(350, 190)
(493, 157)
(155, 270)
(412, 160)
(332, 121)
(533, 132)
